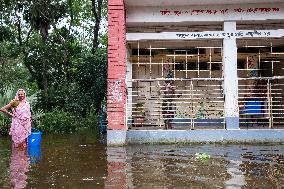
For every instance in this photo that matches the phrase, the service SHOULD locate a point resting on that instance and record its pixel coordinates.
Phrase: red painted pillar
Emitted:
(116, 98)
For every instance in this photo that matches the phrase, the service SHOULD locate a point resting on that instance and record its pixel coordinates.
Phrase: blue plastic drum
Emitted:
(34, 141)
(35, 138)
(34, 153)
(253, 106)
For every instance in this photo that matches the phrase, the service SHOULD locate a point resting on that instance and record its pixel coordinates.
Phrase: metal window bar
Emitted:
(198, 105)
(263, 108)
(196, 89)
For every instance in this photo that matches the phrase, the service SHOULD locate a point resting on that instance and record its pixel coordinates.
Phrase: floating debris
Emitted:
(88, 179)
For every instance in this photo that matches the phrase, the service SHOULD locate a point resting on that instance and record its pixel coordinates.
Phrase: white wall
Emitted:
(170, 14)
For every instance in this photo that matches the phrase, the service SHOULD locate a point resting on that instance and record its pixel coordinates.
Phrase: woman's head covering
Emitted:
(17, 98)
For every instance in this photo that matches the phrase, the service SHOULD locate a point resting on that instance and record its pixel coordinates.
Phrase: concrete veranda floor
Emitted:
(203, 127)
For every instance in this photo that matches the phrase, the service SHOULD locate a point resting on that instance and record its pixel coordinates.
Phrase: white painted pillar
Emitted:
(128, 87)
(230, 78)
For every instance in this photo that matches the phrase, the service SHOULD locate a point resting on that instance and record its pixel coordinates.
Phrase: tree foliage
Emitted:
(57, 49)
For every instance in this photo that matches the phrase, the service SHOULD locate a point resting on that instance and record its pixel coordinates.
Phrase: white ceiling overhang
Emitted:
(184, 13)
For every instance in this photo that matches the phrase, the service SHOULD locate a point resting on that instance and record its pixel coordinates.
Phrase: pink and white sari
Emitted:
(21, 123)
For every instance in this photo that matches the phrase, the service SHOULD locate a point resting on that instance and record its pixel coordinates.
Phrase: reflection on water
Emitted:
(175, 166)
(80, 161)
(171, 166)
(263, 168)
(34, 153)
(237, 179)
(19, 166)
(117, 168)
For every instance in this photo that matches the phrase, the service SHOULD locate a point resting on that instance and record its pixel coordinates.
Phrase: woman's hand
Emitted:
(12, 115)
(7, 112)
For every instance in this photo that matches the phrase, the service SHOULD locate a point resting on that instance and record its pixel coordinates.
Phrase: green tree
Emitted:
(92, 80)
(57, 48)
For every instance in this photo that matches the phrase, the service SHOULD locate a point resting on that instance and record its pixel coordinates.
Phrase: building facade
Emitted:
(224, 62)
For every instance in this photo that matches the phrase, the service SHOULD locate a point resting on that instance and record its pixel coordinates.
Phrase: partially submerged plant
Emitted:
(202, 157)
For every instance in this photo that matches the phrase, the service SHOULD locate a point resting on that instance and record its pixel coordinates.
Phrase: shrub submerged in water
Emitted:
(59, 121)
(202, 157)
(5, 123)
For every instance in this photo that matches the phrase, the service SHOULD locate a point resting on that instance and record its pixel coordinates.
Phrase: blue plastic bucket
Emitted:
(34, 153)
(35, 138)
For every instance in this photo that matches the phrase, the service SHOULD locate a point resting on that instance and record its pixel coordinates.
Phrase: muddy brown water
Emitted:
(82, 161)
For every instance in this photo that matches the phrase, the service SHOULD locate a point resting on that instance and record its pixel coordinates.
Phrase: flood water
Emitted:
(81, 161)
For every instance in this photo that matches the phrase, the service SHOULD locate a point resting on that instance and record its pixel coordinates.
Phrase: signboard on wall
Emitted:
(204, 13)
(205, 35)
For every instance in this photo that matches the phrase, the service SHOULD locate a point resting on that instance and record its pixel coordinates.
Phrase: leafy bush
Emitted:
(91, 121)
(6, 95)
(58, 122)
(5, 123)
(64, 122)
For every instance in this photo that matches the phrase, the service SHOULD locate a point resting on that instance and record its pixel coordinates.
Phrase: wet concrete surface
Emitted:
(82, 161)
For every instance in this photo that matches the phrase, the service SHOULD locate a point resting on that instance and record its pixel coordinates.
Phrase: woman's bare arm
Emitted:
(5, 109)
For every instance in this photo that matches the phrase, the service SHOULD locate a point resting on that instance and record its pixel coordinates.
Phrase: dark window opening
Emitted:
(215, 66)
(179, 66)
(191, 66)
(241, 64)
(203, 66)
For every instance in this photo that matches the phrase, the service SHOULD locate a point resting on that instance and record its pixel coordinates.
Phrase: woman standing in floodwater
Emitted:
(21, 119)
